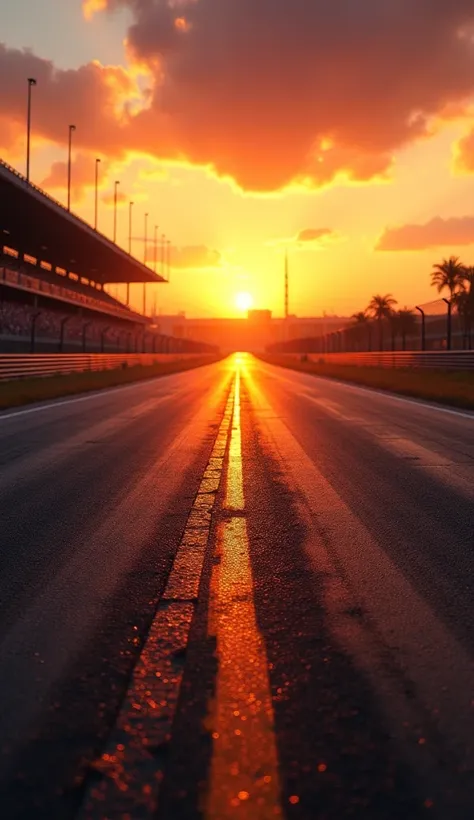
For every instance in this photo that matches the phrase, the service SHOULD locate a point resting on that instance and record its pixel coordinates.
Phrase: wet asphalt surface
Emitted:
(370, 714)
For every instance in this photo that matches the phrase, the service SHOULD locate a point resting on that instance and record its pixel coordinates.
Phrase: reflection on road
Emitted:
(244, 769)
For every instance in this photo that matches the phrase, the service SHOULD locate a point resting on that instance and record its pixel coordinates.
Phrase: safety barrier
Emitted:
(18, 366)
(441, 360)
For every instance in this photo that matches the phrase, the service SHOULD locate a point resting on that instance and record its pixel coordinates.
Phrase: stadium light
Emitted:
(130, 206)
(71, 129)
(97, 163)
(144, 262)
(145, 239)
(154, 247)
(117, 183)
(31, 83)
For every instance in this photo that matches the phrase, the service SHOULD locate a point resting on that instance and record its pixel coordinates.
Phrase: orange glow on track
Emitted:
(244, 767)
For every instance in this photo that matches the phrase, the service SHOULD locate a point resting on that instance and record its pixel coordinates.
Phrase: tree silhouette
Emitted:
(448, 275)
(381, 307)
(464, 301)
(405, 324)
(361, 326)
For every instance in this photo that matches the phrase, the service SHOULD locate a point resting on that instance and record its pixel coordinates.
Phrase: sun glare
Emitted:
(243, 301)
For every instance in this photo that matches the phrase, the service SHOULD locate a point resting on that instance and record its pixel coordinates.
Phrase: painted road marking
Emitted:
(131, 768)
(244, 780)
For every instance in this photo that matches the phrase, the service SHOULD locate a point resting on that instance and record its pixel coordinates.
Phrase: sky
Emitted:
(342, 132)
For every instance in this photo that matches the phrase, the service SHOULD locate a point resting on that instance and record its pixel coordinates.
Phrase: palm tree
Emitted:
(361, 321)
(360, 318)
(381, 307)
(467, 278)
(464, 301)
(406, 323)
(448, 275)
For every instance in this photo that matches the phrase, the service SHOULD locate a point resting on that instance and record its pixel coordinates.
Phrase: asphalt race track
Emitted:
(236, 592)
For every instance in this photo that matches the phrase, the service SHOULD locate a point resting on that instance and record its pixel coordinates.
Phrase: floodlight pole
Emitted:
(96, 208)
(130, 206)
(155, 239)
(163, 240)
(144, 262)
(31, 83)
(117, 183)
(71, 129)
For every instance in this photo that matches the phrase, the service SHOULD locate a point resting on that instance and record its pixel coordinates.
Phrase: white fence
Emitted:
(19, 366)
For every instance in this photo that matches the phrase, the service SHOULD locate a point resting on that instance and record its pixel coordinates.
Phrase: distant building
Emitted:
(259, 315)
(253, 333)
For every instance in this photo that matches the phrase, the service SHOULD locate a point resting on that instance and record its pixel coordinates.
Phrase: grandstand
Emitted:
(53, 270)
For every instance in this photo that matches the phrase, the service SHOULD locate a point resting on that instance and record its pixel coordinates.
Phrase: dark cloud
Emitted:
(82, 177)
(93, 98)
(266, 92)
(255, 87)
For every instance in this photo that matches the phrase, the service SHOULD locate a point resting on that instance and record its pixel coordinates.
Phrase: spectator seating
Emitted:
(48, 283)
(16, 319)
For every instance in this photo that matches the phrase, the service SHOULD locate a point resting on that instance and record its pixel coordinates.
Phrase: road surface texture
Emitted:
(236, 592)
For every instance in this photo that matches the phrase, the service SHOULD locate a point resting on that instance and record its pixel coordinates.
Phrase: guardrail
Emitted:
(18, 366)
(441, 360)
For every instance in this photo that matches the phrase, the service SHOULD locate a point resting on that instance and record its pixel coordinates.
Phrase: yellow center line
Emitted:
(131, 768)
(244, 779)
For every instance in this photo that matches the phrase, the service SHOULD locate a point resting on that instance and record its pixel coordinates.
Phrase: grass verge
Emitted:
(451, 388)
(26, 391)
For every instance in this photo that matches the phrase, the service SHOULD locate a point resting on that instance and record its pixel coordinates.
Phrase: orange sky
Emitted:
(342, 131)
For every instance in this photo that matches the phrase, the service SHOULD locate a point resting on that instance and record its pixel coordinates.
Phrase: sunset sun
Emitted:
(243, 301)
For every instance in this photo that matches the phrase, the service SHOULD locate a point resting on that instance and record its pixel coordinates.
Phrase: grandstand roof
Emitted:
(36, 224)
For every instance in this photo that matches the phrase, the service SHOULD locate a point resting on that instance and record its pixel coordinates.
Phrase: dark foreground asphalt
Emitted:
(325, 669)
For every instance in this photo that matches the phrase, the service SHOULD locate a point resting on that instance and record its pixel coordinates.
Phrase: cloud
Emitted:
(91, 7)
(284, 90)
(109, 197)
(99, 100)
(195, 256)
(154, 174)
(268, 93)
(190, 257)
(82, 175)
(308, 238)
(464, 154)
(313, 234)
(434, 234)
(10, 136)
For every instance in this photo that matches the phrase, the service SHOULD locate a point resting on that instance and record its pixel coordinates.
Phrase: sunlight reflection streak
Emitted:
(244, 770)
